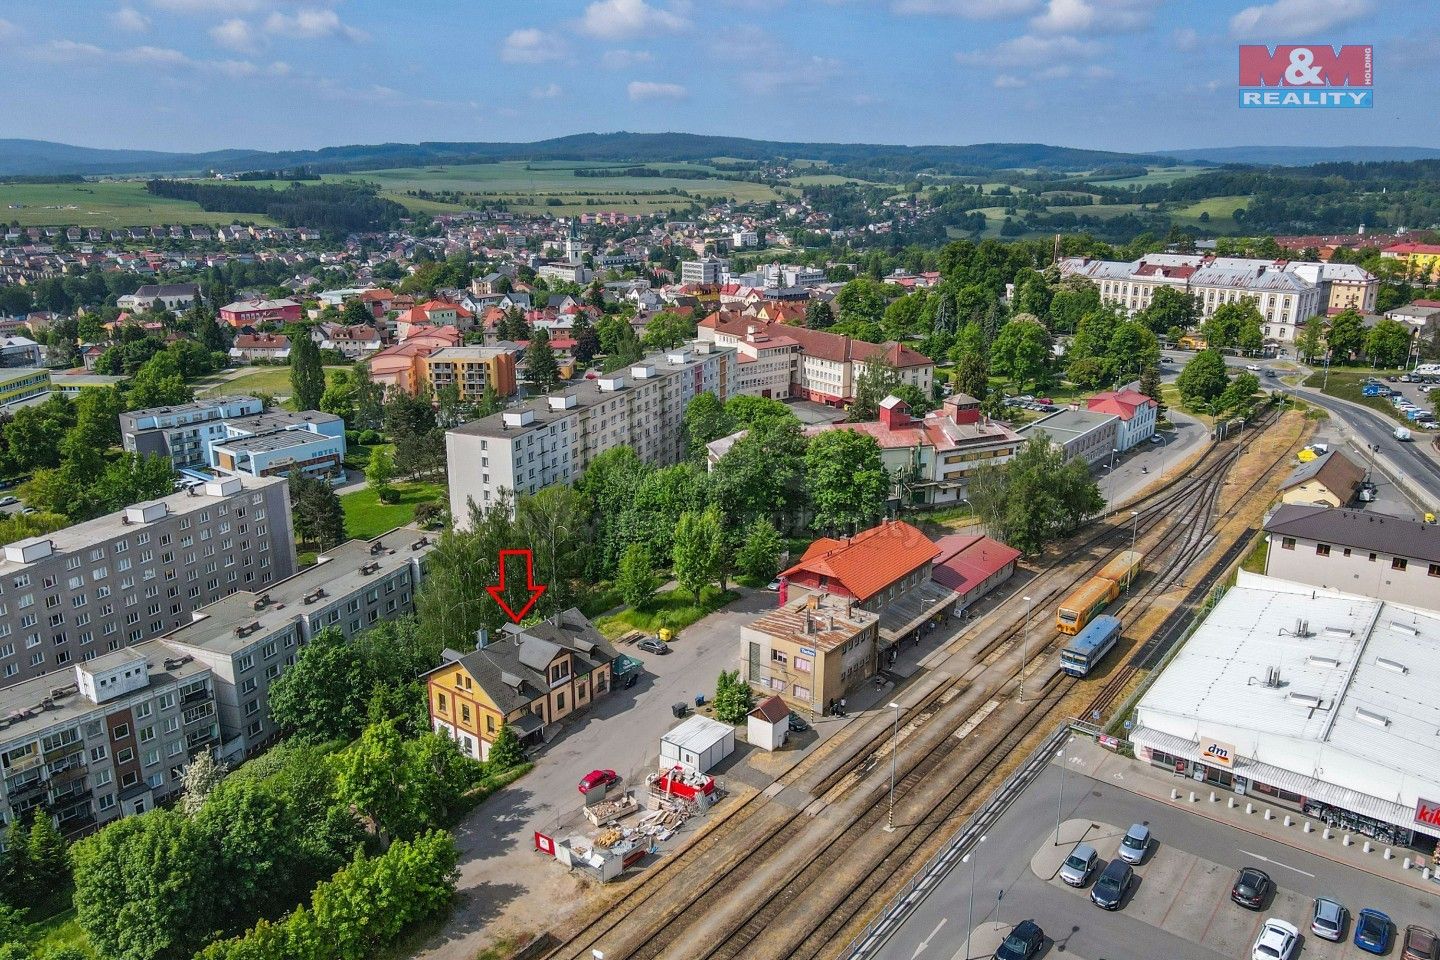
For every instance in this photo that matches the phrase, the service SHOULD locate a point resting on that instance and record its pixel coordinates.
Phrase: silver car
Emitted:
(1328, 921)
(1135, 842)
(1077, 867)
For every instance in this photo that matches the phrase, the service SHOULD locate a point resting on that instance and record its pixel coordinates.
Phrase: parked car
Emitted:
(1134, 844)
(598, 778)
(798, 724)
(7, 501)
(1253, 367)
(1110, 888)
(773, 586)
(1373, 931)
(1392, 378)
(1278, 940)
(1022, 943)
(1251, 888)
(652, 645)
(1156, 438)
(1328, 920)
(1076, 869)
(1420, 943)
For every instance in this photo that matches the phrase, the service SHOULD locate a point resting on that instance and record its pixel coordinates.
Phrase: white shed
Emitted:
(698, 744)
(768, 724)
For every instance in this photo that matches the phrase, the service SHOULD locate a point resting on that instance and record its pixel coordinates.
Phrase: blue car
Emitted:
(1373, 931)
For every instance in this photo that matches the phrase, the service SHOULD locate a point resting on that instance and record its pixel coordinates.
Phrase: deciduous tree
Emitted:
(846, 480)
(307, 375)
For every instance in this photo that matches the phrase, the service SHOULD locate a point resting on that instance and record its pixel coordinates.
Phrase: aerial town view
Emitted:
(719, 480)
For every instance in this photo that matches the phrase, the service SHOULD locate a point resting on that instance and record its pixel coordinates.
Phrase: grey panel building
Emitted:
(72, 595)
(182, 432)
(1085, 434)
(111, 737)
(252, 637)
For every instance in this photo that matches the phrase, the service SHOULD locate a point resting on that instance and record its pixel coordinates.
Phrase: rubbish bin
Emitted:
(679, 709)
(699, 699)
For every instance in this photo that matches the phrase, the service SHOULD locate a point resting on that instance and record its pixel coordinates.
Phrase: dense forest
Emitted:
(333, 208)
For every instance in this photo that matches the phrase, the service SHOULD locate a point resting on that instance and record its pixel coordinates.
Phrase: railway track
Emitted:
(961, 729)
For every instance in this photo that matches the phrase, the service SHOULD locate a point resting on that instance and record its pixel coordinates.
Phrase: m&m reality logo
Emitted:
(1307, 76)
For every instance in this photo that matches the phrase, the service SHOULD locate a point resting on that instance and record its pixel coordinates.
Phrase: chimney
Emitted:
(482, 638)
(809, 623)
(750, 333)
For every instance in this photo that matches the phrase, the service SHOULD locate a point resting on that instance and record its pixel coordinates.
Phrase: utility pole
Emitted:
(1060, 800)
(1134, 530)
(970, 922)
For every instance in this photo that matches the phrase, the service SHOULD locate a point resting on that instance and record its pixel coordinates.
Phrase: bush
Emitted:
(371, 437)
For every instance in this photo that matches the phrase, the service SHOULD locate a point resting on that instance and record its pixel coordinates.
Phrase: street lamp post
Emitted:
(1025, 648)
(1060, 800)
(1113, 451)
(970, 922)
(894, 753)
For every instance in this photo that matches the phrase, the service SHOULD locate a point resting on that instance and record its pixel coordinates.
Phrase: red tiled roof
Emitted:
(771, 709)
(967, 560)
(1409, 248)
(262, 341)
(870, 561)
(1122, 403)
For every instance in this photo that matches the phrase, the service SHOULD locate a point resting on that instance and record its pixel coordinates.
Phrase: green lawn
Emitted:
(57, 926)
(366, 517)
(105, 203)
(272, 380)
(675, 609)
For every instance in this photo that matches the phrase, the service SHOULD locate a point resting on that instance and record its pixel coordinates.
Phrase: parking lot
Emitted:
(1179, 907)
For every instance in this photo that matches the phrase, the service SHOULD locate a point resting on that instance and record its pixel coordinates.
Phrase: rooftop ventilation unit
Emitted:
(1372, 718)
(1394, 666)
(1399, 627)
(1304, 699)
(1319, 661)
(1339, 632)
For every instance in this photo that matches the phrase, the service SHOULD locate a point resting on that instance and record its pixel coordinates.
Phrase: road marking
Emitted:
(1303, 873)
(926, 942)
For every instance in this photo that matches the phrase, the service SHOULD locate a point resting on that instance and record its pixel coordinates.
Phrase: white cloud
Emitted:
(1186, 39)
(130, 20)
(1006, 81)
(1094, 16)
(209, 6)
(1030, 51)
(155, 57)
(797, 74)
(622, 59)
(1280, 20)
(969, 9)
(622, 19)
(68, 51)
(646, 90)
(530, 46)
(8, 30)
(548, 92)
(236, 34)
(312, 23)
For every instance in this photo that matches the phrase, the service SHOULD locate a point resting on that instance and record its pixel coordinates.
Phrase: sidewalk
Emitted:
(1303, 833)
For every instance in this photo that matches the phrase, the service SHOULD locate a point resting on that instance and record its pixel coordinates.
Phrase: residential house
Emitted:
(1330, 480)
(355, 342)
(1389, 558)
(1137, 413)
(271, 347)
(252, 313)
(527, 678)
(171, 296)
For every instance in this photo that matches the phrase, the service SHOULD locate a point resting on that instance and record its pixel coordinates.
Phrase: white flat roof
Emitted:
(698, 734)
(1356, 704)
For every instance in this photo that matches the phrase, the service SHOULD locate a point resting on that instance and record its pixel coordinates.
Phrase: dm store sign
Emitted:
(1301, 77)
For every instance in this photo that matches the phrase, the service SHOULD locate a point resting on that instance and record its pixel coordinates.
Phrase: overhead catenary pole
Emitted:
(1025, 648)
(894, 753)
(970, 921)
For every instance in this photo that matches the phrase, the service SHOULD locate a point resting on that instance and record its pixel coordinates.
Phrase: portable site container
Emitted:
(699, 743)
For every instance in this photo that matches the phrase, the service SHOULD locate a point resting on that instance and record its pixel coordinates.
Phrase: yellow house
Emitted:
(1329, 480)
(471, 369)
(528, 678)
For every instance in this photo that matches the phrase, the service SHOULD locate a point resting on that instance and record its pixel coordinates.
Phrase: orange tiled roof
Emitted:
(871, 560)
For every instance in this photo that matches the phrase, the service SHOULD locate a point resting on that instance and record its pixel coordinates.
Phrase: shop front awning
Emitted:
(527, 724)
(903, 616)
(1376, 808)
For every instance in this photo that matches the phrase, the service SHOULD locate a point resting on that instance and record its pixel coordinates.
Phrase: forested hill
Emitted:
(38, 157)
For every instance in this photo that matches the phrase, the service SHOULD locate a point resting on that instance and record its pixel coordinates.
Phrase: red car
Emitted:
(598, 778)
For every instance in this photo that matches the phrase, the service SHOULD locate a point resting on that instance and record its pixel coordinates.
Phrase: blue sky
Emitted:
(1113, 74)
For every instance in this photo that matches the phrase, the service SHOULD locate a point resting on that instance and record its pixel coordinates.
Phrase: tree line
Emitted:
(330, 207)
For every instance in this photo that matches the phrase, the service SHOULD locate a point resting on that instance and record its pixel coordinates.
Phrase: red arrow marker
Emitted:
(498, 590)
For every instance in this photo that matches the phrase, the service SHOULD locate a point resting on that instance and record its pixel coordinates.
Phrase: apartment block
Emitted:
(707, 271)
(552, 439)
(248, 639)
(90, 589)
(110, 737)
(471, 370)
(21, 385)
(182, 432)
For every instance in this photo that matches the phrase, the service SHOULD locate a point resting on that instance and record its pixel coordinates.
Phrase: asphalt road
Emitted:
(1076, 928)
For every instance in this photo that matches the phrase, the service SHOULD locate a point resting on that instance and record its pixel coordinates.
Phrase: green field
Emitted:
(1153, 175)
(274, 381)
(526, 186)
(104, 203)
(1221, 210)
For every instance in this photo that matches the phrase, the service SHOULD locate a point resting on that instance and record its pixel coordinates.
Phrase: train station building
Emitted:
(1309, 699)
